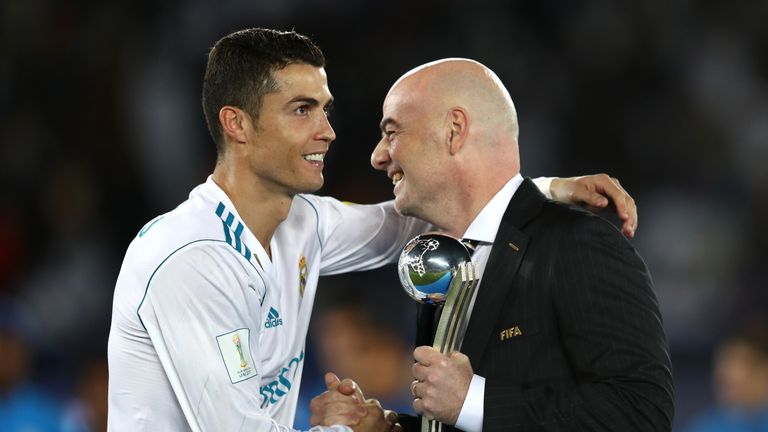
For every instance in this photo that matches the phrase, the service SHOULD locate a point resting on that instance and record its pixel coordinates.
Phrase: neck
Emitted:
(473, 195)
(262, 210)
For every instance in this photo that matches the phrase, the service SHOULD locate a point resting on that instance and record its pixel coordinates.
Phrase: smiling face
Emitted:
(292, 135)
(410, 152)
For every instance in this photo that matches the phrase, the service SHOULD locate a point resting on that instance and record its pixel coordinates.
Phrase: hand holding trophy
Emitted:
(437, 269)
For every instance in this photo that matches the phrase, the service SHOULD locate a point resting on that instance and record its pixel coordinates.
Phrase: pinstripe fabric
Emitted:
(567, 330)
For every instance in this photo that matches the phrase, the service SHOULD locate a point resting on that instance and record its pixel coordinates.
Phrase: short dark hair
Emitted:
(240, 66)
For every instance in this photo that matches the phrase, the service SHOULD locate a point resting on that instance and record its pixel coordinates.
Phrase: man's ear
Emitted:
(232, 122)
(457, 128)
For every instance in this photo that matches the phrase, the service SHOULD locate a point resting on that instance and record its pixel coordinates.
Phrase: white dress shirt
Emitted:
(484, 229)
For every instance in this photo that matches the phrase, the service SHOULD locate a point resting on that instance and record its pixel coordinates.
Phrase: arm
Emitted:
(357, 237)
(610, 327)
(364, 237)
(595, 192)
(203, 319)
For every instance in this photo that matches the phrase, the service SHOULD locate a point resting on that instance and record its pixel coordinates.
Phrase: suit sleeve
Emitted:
(611, 330)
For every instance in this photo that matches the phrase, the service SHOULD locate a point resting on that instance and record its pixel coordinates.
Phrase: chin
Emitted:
(311, 186)
(406, 209)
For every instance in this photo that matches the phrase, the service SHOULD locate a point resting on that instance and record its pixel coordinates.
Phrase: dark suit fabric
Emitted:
(589, 353)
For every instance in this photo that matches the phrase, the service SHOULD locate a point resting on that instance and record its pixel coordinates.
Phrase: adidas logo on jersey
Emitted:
(273, 319)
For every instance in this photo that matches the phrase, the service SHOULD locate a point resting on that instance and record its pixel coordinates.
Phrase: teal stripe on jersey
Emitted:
(227, 223)
(220, 214)
(238, 232)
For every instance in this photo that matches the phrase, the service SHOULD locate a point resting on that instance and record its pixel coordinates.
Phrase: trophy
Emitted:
(437, 269)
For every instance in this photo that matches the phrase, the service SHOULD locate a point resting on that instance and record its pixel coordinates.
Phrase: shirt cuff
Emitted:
(544, 184)
(471, 415)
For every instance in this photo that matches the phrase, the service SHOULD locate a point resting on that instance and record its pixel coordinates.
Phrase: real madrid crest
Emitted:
(302, 275)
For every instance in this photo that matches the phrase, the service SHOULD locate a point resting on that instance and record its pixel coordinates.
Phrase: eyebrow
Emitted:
(309, 101)
(386, 122)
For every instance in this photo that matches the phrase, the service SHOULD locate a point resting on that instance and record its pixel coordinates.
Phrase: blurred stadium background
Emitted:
(101, 129)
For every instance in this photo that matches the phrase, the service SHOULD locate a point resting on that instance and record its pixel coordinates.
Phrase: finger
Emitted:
(414, 390)
(332, 396)
(346, 408)
(391, 417)
(630, 223)
(458, 356)
(604, 191)
(418, 406)
(419, 372)
(339, 409)
(594, 199)
(425, 354)
(608, 187)
(346, 420)
(329, 403)
(626, 209)
(374, 409)
(350, 387)
(331, 381)
(413, 387)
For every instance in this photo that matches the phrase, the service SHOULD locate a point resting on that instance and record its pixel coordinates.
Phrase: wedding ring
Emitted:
(413, 388)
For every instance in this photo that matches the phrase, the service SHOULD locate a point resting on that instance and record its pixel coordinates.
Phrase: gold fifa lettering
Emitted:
(510, 333)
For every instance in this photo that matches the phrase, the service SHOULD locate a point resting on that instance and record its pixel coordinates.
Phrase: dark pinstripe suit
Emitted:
(584, 348)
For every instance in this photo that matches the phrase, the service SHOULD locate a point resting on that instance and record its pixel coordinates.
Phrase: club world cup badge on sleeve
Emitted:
(235, 348)
(302, 275)
(428, 264)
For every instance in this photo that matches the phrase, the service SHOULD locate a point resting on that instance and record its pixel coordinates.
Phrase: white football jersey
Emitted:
(208, 332)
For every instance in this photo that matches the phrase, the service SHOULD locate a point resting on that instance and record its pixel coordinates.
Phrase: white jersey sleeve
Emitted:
(356, 237)
(202, 316)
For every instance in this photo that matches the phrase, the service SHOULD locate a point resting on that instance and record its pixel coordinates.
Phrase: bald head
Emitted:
(455, 82)
(449, 141)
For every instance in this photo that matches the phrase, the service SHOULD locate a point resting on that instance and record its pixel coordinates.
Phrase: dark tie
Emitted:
(427, 316)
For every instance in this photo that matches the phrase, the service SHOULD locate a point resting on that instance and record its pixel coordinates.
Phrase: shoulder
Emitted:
(315, 206)
(574, 220)
(196, 229)
(325, 212)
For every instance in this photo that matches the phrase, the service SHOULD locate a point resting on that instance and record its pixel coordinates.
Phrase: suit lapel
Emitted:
(506, 255)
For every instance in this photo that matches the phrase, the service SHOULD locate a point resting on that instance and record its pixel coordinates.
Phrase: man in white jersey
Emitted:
(213, 301)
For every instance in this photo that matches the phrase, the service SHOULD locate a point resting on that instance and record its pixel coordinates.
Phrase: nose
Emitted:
(326, 130)
(380, 157)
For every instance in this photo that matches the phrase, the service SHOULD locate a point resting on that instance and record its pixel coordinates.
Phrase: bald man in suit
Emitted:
(564, 332)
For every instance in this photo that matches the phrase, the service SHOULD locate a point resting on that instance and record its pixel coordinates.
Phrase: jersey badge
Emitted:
(235, 350)
(302, 275)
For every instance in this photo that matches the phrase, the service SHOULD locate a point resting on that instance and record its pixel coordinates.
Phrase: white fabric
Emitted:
(545, 185)
(484, 229)
(207, 332)
(471, 416)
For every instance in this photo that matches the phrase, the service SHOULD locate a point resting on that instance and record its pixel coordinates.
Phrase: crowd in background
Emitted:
(101, 129)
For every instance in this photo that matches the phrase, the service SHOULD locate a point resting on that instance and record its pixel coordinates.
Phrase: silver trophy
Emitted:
(437, 269)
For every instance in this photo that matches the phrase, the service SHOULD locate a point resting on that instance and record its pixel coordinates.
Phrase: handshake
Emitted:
(439, 388)
(344, 404)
